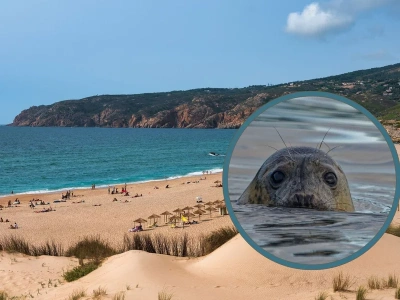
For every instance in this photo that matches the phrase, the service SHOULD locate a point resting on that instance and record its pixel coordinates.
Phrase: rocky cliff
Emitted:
(378, 90)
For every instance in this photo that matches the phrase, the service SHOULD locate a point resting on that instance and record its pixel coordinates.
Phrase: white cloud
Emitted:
(319, 20)
(314, 21)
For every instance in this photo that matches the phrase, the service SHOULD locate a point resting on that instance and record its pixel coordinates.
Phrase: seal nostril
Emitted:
(299, 200)
(309, 201)
(306, 200)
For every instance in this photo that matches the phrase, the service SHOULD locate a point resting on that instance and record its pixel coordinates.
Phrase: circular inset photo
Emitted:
(310, 180)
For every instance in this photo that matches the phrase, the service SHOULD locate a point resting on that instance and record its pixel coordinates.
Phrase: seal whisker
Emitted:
(272, 148)
(333, 149)
(323, 139)
(284, 144)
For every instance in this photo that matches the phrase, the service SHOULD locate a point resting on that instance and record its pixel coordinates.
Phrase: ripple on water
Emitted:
(308, 236)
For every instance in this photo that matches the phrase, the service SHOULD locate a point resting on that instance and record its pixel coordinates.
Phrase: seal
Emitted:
(300, 177)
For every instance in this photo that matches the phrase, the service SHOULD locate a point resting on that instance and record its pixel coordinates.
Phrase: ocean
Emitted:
(45, 159)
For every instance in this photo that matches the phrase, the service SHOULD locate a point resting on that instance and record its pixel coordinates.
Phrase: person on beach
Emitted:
(1, 220)
(109, 189)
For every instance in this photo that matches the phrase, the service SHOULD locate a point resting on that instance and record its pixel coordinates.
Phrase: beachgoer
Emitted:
(15, 225)
(108, 189)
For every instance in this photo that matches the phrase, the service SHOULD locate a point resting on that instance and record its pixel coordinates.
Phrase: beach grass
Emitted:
(3, 295)
(361, 293)
(392, 281)
(94, 248)
(183, 245)
(397, 293)
(77, 294)
(14, 244)
(80, 271)
(394, 230)
(321, 296)
(99, 292)
(164, 295)
(119, 296)
(341, 282)
(374, 283)
(91, 247)
(217, 238)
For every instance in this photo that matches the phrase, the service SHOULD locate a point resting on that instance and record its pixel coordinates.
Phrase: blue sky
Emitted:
(57, 49)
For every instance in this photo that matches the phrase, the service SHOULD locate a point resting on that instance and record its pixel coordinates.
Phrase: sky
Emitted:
(68, 49)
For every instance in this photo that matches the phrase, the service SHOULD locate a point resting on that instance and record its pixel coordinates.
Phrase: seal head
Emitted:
(300, 177)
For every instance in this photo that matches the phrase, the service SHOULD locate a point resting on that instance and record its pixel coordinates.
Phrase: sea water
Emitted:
(43, 159)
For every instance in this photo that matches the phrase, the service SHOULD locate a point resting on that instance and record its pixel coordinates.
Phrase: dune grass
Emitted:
(392, 281)
(341, 282)
(99, 292)
(91, 247)
(321, 296)
(374, 283)
(77, 294)
(17, 244)
(397, 293)
(96, 249)
(183, 245)
(164, 295)
(361, 293)
(80, 271)
(119, 296)
(3, 295)
(394, 229)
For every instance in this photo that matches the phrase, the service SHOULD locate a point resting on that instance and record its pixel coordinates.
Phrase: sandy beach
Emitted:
(233, 271)
(72, 220)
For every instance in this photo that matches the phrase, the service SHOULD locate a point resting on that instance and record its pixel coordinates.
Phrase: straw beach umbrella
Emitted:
(222, 209)
(199, 212)
(178, 211)
(216, 202)
(154, 216)
(166, 214)
(188, 215)
(140, 220)
(188, 208)
(198, 206)
(174, 219)
(210, 209)
(209, 203)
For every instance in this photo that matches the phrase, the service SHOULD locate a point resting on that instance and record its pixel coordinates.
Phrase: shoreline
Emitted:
(104, 186)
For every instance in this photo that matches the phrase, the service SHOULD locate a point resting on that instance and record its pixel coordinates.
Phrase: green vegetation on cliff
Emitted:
(377, 89)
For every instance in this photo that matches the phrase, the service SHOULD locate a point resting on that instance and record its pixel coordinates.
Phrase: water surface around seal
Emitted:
(304, 235)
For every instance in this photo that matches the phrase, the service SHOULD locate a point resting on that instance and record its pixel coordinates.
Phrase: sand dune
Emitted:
(234, 271)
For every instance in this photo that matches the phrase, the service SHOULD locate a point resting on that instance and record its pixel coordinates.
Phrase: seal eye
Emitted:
(277, 177)
(330, 179)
